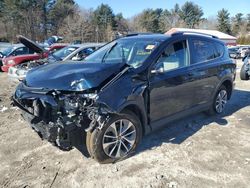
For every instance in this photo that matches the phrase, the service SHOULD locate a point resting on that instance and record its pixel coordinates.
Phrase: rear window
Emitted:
(205, 50)
(219, 49)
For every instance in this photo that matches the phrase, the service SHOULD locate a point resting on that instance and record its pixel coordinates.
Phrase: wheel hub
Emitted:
(119, 138)
(221, 101)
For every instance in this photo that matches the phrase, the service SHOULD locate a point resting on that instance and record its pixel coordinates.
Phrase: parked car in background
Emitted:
(14, 50)
(243, 50)
(234, 52)
(38, 53)
(52, 40)
(126, 89)
(245, 69)
(72, 52)
(83, 51)
(247, 52)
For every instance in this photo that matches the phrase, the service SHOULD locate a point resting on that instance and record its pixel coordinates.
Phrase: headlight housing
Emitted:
(21, 72)
(10, 62)
(90, 95)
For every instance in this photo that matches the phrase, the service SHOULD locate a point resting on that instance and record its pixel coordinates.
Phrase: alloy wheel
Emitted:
(119, 138)
(221, 101)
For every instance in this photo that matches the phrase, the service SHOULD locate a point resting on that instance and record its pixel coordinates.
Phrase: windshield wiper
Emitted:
(107, 52)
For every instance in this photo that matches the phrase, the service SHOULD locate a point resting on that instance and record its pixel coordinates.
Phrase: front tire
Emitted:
(118, 138)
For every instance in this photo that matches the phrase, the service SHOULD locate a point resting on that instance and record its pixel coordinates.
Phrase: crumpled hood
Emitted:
(71, 76)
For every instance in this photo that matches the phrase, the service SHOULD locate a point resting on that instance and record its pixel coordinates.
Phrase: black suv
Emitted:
(126, 89)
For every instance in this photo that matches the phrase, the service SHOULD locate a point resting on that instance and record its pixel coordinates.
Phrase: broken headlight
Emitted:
(90, 95)
(21, 72)
(10, 62)
(71, 104)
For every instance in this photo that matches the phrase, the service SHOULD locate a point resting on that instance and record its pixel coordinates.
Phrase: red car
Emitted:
(40, 53)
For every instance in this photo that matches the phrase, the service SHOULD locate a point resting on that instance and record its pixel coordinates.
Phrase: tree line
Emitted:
(38, 19)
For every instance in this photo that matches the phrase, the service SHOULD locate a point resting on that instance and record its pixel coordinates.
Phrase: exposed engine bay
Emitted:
(32, 64)
(57, 116)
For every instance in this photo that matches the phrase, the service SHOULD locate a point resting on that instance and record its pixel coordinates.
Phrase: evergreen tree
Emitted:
(150, 20)
(248, 22)
(104, 20)
(237, 23)
(191, 14)
(224, 21)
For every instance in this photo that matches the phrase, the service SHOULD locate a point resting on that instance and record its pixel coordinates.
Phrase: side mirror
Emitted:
(159, 70)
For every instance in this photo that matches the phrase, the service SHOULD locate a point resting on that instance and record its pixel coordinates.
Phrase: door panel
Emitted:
(170, 93)
(170, 85)
(205, 65)
(204, 80)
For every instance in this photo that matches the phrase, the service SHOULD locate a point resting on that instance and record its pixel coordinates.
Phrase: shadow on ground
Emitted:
(178, 131)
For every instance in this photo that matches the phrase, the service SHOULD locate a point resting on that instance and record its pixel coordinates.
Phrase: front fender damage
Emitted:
(58, 116)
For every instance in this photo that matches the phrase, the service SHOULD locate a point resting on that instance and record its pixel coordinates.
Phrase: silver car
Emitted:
(245, 69)
(76, 52)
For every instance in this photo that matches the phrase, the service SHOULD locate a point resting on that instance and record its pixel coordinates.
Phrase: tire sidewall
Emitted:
(243, 74)
(215, 98)
(97, 137)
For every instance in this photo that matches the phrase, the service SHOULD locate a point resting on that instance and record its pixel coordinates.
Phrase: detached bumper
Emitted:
(37, 108)
(63, 137)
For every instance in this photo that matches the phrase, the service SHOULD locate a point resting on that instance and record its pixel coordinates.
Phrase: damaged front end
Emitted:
(59, 116)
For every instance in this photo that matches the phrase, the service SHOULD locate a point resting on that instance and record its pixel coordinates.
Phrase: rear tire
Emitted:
(118, 138)
(219, 101)
(243, 74)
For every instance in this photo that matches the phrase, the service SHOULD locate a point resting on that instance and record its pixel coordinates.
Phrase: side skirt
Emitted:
(162, 122)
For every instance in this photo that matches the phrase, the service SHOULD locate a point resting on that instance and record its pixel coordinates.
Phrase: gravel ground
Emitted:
(197, 151)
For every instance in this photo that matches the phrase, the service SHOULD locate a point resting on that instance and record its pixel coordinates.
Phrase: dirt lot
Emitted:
(197, 151)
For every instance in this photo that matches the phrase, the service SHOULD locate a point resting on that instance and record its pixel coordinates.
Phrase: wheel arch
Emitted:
(140, 112)
(228, 83)
(229, 86)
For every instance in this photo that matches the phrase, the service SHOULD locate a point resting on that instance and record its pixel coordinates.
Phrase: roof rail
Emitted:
(193, 32)
(136, 34)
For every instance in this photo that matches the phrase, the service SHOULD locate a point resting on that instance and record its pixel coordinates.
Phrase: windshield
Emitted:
(7, 51)
(130, 51)
(62, 53)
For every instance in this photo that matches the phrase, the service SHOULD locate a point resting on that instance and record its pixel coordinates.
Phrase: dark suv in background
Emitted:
(126, 89)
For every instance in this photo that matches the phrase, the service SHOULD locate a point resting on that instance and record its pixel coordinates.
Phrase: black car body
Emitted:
(125, 90)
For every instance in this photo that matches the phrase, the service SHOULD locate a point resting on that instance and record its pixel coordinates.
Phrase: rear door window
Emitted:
(203, 51)
(219, 49)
